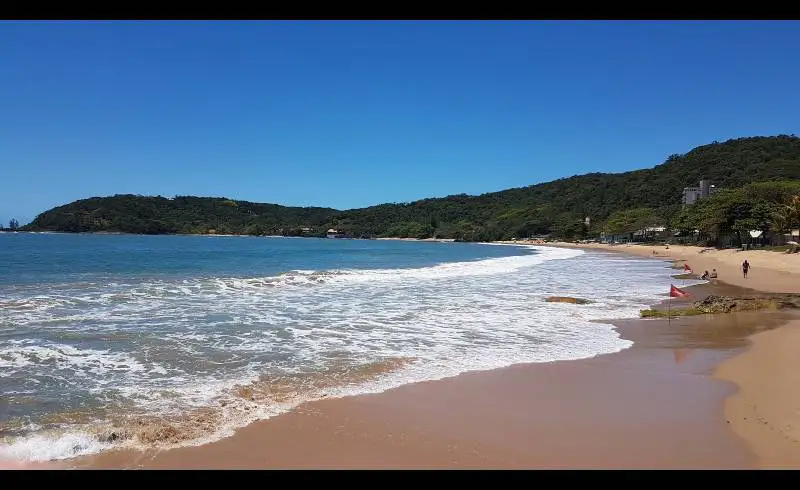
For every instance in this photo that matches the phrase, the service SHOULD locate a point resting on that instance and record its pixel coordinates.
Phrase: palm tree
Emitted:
(788, 217)
(793, 212)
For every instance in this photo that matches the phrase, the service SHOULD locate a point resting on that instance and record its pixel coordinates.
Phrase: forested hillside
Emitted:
(558, 207)
(181, 214)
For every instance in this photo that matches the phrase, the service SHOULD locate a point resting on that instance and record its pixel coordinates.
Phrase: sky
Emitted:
(352, 114)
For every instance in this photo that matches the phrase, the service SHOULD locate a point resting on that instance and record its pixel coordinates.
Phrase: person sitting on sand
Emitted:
(704, 276)
(713, 274)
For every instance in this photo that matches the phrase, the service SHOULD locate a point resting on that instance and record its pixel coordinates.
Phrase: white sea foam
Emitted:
(82, 362)
(48, 447)
(166, 347)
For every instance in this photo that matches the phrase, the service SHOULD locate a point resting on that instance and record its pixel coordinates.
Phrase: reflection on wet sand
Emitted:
(681, 355)
(697, 344)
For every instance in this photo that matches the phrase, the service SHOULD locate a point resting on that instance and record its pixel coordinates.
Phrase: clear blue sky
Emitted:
(351, 114)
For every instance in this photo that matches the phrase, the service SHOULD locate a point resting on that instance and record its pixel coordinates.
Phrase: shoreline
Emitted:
(771, 272)
(344, 432)
(123, 233)
(370, 431)
(500, 411)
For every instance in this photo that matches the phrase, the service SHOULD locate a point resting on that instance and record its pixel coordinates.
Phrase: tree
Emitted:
(631, 220)
(761, 215)
(13, 224)
(792, 211)
(730, 215)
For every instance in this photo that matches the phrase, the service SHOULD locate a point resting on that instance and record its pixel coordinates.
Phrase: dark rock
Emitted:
(113, 436)
(715, 304)
(727, 304)
(567, 299)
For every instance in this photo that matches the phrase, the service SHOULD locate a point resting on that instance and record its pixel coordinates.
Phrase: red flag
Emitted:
(677, 292)
(686, 267)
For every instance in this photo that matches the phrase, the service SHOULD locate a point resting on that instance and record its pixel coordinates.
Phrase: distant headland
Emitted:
(755, 179)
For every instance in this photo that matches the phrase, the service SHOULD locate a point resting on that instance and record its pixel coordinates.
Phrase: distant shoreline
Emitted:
(442, 240)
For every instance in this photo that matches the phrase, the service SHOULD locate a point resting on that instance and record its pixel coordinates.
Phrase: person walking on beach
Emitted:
(745, 268)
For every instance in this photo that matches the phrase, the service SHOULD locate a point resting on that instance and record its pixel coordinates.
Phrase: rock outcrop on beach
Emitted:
(715, 304)
(727, 304)
(567, 299)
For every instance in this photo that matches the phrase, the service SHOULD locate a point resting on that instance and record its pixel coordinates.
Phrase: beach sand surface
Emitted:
(765, 411)
(770, 271)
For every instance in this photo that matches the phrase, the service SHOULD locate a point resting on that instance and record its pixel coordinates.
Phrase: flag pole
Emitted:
(669, 307)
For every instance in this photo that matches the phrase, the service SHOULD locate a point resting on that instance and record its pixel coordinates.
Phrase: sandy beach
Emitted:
(714, 391)
(770, 271)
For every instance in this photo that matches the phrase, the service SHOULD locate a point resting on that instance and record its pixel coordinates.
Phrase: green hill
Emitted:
(181, 214)
(561, 205)
(557, 207)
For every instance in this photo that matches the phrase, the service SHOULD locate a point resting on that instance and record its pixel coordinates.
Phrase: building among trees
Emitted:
(692, 194)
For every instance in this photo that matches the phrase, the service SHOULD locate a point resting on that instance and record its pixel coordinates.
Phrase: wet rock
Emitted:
(714, 304)
(567, 299)
(726, 304)
(113, 436)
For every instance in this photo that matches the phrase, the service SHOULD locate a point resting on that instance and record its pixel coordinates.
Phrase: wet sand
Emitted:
(654, 405)
(765, 411)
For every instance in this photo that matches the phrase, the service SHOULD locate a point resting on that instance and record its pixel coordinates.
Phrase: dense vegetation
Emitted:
(727, 218)
(13, 225)
(181, 214)
(614, 203)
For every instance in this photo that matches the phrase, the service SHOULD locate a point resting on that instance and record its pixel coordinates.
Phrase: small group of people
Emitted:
(713, 275)
(706, 276)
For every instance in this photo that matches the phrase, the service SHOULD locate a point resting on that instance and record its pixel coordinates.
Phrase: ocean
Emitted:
(121, 340)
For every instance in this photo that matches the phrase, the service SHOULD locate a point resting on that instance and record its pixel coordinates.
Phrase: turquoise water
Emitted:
(27, 258)
(110, 340)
